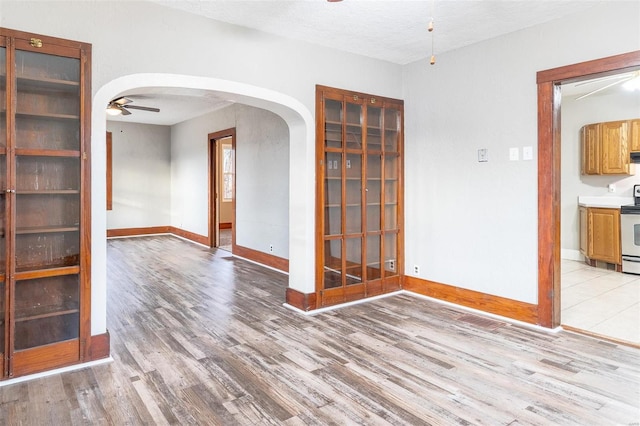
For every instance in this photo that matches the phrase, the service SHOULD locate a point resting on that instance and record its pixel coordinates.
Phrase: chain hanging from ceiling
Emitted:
(430, 28)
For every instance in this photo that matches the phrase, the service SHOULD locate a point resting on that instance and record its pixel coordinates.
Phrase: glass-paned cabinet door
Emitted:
(391, 129)
(333, 124)
(333, 194)
(3, 188)
(391, 181)
(46, 311)
(332, 263)
(354, 126)
(48, 102)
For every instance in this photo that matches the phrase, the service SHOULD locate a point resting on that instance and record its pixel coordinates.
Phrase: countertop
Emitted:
(606, 202)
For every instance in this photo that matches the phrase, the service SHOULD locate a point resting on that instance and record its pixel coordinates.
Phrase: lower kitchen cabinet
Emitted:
(600, 234)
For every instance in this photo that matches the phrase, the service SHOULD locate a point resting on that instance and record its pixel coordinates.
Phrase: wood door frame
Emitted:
(212, 143)
(549, 171)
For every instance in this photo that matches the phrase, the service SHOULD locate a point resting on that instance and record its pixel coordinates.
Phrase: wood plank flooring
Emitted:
(199, 337)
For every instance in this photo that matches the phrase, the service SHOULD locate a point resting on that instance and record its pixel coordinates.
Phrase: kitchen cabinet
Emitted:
(605, 148)
(44, 202)
(359, 236)
(600, 234)
(634, 132)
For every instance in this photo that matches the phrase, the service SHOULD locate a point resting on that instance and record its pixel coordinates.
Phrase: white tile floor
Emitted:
(601, 301)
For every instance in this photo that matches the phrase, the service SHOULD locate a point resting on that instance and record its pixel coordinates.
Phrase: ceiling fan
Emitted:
(121, 106)
(630, 81)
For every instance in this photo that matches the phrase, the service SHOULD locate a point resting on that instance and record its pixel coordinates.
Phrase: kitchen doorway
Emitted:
(222, 189)
(549, 172)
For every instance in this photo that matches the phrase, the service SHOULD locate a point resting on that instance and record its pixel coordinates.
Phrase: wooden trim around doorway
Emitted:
(549, 98)
(212, 143)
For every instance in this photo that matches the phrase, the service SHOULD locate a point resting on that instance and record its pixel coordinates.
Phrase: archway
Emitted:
(301, 174)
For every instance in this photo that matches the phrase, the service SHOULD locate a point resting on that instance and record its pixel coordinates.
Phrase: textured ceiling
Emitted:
(391, 30)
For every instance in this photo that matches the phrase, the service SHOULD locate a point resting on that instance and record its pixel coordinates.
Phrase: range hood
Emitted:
(635, 157)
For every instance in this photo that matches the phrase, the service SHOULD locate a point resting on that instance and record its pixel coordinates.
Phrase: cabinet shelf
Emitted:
(72, 153)
(47, 115)
(48, 84)
(47, 229)
(47, 312)
(49, 192)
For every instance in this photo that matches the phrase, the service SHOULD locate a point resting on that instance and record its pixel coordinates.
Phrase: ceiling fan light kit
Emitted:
(121, 106)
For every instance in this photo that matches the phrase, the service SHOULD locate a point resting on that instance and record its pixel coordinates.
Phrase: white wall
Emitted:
(140, 44)
(141, 175)
(471, 224)
(575, 114)
(467, 224)
(262, 176)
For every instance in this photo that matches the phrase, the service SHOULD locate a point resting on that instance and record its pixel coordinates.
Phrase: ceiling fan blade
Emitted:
(603, 88)
(121, 101)
(125, 112)
(143, 108)
(601, 79)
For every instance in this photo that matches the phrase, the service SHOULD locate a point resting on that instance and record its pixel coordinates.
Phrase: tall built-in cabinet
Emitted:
(359, 237)
(44, 202)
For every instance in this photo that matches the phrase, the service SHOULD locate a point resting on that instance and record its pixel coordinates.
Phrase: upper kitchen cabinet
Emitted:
(44, 203)
(634, 135)
(606, 147)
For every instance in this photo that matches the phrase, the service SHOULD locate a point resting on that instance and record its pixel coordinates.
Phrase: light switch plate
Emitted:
(514, 154)
(527, 153)
(483, 155)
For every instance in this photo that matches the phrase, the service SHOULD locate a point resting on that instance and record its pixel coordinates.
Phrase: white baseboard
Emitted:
(569, 254)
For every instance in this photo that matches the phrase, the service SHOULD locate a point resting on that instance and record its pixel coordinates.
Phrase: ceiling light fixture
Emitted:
(113, 109)
(633, 83)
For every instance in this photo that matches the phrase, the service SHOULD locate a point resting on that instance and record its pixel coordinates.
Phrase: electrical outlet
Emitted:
(271, 248)
(392, 265)
(416, 269)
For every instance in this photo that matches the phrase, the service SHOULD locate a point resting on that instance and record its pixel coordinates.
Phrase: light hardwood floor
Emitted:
(199, 337)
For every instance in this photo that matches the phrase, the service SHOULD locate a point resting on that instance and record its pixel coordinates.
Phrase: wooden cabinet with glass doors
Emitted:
(44, 199)
(359, 208)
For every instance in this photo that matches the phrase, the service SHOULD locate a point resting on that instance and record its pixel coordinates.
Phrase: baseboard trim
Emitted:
(192, 236)
(154, 230)
(133, 232)
(275, 262)
(509, 308)
(304, 302)
(100, 346)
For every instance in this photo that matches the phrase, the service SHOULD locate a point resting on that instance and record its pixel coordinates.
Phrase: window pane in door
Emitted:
(333, 124)
(46, 311)
(333, 194)
(390, 254)
(391, 192)
(353, 188)
(373, 192)
(3, 98)
(354, 126)
(354, 260)
(374, 129)
(332, 263)
(391, 126)
(48, 101)
(373, 257)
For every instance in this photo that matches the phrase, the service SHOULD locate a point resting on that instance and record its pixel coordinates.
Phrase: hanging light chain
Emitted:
(430, 28)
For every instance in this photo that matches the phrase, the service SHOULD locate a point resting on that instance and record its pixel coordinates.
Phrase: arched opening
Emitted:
(301, 173)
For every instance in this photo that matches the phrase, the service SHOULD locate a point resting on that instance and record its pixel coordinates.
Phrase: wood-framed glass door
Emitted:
(359, 208)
